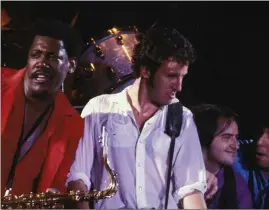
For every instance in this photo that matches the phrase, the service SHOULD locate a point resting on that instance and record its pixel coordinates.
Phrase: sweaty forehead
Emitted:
(47, 43)
(174, 66)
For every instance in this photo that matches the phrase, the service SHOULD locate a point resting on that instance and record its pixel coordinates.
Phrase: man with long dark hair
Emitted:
(218, 132)
(252, 162)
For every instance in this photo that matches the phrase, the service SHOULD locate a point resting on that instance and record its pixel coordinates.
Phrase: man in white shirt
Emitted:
(134, 120)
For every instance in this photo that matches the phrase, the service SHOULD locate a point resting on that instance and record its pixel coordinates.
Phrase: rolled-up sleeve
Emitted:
(82, 165)
(189, 168)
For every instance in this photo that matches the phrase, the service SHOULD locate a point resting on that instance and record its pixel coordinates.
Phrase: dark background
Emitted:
(231, 40)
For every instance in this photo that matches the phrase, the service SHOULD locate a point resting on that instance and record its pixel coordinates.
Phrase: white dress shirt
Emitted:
(140, 159)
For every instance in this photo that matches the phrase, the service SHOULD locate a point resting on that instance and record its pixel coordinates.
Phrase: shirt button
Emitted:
(140, 187)
(141, 141)
(139, 164)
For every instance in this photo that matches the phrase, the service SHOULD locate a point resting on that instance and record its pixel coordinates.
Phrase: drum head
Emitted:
(105, 67)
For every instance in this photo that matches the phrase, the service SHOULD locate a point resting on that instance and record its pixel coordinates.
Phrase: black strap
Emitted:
(172, 128)
(20, 144)
(228, 196)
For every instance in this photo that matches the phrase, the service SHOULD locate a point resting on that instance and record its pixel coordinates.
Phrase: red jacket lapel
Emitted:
(60, 127)
(12, 89)
(11, 119)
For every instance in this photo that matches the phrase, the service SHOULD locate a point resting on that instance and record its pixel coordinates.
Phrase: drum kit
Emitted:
(105, 67)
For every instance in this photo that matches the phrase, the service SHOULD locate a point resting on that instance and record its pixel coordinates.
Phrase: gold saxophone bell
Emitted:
(52, 198)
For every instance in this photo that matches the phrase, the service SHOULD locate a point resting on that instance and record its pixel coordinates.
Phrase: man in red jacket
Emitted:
(39, 128)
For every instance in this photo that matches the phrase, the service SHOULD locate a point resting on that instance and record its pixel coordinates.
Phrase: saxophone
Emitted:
(52, 198)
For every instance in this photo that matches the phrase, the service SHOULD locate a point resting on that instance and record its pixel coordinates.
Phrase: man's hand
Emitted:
(194, 200)
(212, 185)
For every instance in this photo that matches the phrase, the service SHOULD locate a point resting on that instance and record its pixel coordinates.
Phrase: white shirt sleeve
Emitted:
(189, 168)
(82, 165)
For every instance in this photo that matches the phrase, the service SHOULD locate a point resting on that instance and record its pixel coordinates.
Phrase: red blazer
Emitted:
(53, 152)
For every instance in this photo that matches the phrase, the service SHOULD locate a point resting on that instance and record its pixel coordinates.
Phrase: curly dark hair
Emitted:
(206, 118)
(61, 31)
(157, 45)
